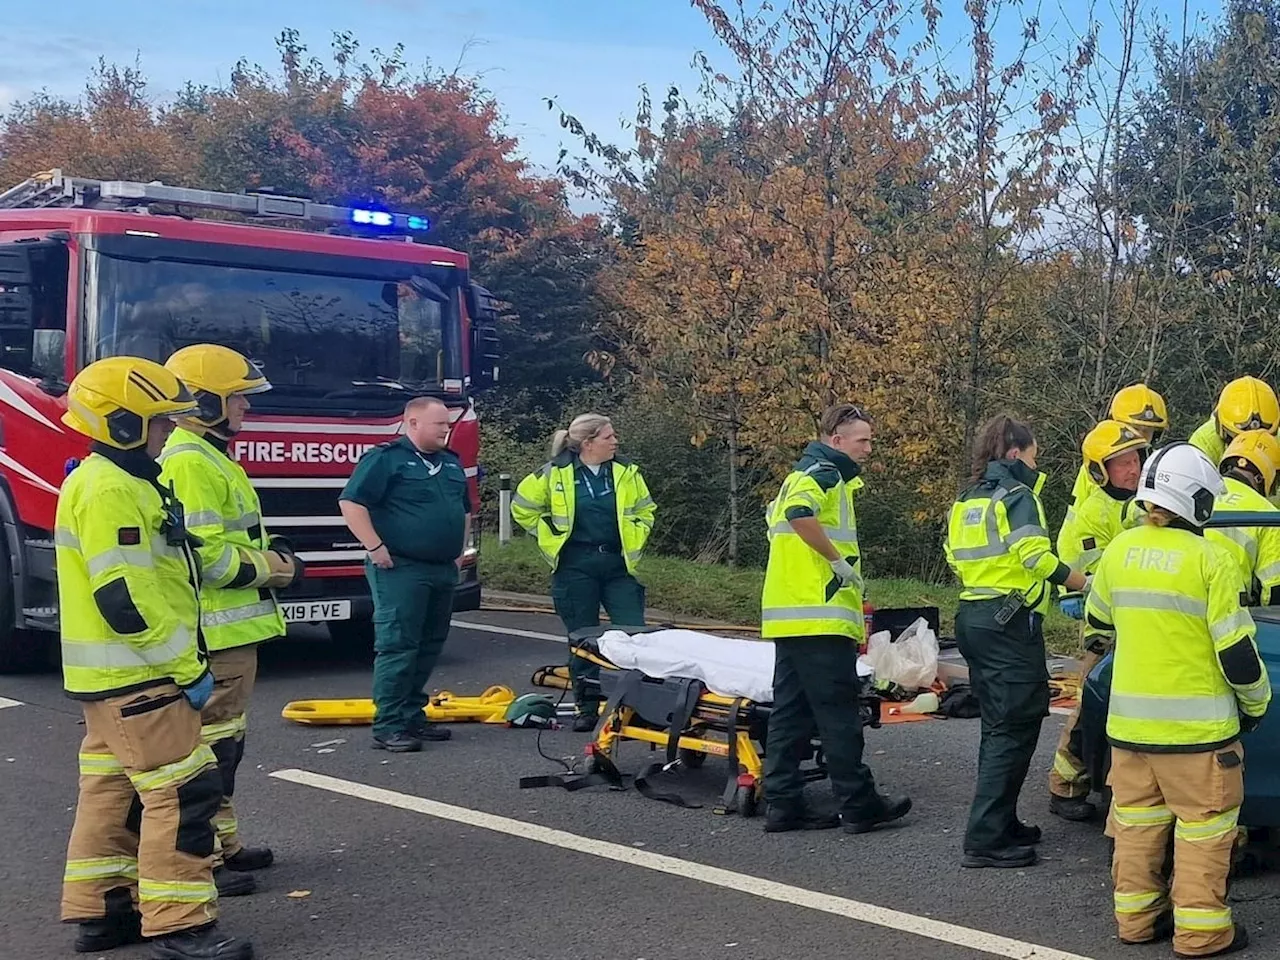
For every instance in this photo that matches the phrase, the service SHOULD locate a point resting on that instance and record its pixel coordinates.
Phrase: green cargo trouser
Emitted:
(1008, 675)
(815, 682)
(412, 603)
(583, 580)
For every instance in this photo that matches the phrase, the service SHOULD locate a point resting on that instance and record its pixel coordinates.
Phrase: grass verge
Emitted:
(730, 594)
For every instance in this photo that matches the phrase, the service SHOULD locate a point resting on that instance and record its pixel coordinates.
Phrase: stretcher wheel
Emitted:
(748, 803)
(692, 758)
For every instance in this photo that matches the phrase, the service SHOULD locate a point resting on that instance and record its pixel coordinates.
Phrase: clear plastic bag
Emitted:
(911, 661)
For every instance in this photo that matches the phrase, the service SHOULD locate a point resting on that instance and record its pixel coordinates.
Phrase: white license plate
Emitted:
(313, 610)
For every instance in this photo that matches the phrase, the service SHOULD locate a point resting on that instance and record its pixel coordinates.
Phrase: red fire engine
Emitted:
(347, 323)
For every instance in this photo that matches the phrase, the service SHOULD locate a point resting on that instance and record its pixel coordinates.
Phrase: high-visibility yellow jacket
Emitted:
(130, 609)
(1093, 523)
(1255, 550)
(1209, 441)
(1185, 660)
(997, 541)
(543, 505)
(802, 597)
(223, 511)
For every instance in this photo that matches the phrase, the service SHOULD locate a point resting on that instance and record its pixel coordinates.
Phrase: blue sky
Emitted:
(591, 54)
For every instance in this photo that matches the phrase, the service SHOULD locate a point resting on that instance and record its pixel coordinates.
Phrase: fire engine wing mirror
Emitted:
(425, 288)
(483, 309)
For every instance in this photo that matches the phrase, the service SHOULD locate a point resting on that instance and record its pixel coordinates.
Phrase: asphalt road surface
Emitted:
(440, 855)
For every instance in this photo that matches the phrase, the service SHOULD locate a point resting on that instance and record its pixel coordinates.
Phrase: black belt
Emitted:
(579, 547)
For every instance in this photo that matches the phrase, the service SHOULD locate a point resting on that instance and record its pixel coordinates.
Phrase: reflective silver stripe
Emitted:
(1031, 562)
(63, 537)
(812, 613)
(519, 501)
(204, 518)
(222, 566)
(1132, 706)
(1259, 692)
(979, 553)
(119, 556)
(1088, 557)
(1027, 531)
(562, 522)
(1242, 537)
(1157, 600)
(981, 593)
(644, 503)
(116, 654)
(842, 534)
(183, 448)
(220, 618)
(1269, 573)
(634, 555)
(1221, 629)
(242, 524)
(1100, 605)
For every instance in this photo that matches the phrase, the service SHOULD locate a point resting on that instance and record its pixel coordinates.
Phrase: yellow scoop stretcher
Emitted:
(443, 707)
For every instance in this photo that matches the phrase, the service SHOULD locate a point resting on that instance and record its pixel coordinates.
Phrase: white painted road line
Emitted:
(6, 702)
(508, 631)
(979, 940)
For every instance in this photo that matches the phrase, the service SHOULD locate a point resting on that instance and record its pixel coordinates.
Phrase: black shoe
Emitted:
(434, 732)
(1075, 809)
(1161, 931)
(1240, 941)
(107, 933)
(1024, 834)
(202, 943)
(781, 820)
(250, 858)
(400, 742)
(232, 884)
(891, 808)
(1005, 857)
(584, 722)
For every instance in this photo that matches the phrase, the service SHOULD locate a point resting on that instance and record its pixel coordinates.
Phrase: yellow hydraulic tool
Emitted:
(444, 707)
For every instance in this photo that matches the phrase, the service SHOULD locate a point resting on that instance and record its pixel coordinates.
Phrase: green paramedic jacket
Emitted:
(223, 511)
(801, 596)
(997, 541)
(544, 504)
(130, 610)
(1185, 661)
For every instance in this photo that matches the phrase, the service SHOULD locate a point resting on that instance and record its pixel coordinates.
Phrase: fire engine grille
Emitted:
(281, 503)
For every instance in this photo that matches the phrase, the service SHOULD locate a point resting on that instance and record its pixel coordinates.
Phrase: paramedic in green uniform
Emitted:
(407, 503)
(592, 515)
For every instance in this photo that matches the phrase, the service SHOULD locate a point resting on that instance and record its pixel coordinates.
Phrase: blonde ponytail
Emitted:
(1159, 516)
(559, 440)
(585, 426)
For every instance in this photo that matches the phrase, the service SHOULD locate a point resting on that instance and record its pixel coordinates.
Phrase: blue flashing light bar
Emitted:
(384, 220)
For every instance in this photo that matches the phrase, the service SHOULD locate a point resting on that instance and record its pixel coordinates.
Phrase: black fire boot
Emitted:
(109, 932)
(202, 943)
(250, 858)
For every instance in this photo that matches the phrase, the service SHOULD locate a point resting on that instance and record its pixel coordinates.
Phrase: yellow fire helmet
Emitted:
(1258, 449)
(1108, 439)
(114, 400)
(1246, 404)
(214, 373)
(1140, 406)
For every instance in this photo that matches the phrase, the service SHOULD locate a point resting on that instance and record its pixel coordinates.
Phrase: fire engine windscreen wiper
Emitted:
(381, 386)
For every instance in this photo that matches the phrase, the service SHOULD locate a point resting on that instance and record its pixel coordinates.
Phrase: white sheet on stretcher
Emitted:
(726, 665)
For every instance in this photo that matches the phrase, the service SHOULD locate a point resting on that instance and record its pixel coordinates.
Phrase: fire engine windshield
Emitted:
(326, 330)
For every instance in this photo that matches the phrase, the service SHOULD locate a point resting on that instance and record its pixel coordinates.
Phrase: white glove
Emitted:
(843, 569)
(1088, 584)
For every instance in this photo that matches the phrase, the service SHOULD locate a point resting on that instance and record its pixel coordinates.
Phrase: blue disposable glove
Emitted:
(198, 693)
(1073, 607)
